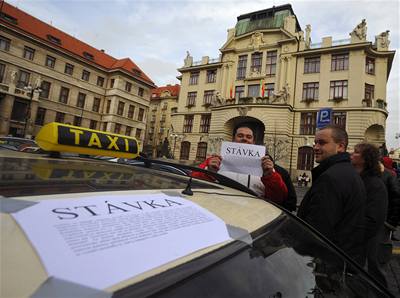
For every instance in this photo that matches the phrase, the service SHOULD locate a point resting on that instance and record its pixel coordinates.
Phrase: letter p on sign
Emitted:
(324, 117)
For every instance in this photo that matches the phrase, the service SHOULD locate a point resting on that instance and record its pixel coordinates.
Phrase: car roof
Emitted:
(35, 177)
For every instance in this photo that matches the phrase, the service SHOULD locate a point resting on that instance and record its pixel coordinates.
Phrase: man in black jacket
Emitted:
(335, 203)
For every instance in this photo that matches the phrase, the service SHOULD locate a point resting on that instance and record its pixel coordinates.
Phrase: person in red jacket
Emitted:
(270, 186)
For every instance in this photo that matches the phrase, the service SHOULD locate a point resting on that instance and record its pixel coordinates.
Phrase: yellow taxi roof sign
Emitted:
(61, 137)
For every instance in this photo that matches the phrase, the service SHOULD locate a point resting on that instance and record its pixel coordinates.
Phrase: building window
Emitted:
(305, 158)
(185, 150)
(370, 65)
(128, 87)
(241, 70)
(211, 76)
(208, 97)
(308, 123)
(131, 111)
(256, 61)
(310, 91)
(2, 72)
(108, 106)
(339, 119)
(174, 110)
(270, 69)
(311, 65)
(41, 113)
(141, 114)
(205, 123)
(253, 90)
(338, 89)
(60, 117)
(340, 62)
(201, 151)
(77, 121)
(96, 104)
(50, 61)
(165, 106)
(188, 123)
(269, 90)
(138, 133)
(23, 79)
(105, 126)
(64, 93)
(117, 128)
(120, 109)
(191, 99)
(69, 69)
(239, 92)
(369, 92)
(45, 86)
(128, 131)
(29, 53)
(19, 110)
(194, 78)
(93, 124)
(80, 103)
(85, 75)
(140, 91)
(100, 81)
(4, 43)
(112, 81)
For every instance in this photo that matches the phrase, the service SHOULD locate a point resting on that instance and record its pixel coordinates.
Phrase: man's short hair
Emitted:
(339, 135)
(246, 125)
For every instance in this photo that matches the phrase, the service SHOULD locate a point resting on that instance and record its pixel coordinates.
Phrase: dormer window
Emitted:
(54, 39)
(136, 72)
(9, 18)
(88, 56)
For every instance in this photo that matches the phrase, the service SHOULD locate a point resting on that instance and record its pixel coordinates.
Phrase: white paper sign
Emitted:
(99, 241)
(242, 158)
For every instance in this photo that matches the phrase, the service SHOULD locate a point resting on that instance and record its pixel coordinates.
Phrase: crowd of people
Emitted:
(354, 199)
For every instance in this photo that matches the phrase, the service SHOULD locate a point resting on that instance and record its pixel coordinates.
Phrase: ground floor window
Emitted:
(185, 149)
(305, 158)
(201, 151)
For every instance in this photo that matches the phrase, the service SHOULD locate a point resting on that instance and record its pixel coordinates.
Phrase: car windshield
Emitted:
(40, 176)
(284, 260)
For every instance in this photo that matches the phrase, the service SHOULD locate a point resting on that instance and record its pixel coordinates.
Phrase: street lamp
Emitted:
(30, 90)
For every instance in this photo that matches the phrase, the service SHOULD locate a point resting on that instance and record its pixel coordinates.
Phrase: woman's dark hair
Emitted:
(370, 155)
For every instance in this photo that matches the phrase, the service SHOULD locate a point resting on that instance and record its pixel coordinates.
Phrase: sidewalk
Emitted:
(392, 269)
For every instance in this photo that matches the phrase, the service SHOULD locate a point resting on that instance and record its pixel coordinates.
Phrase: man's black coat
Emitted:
(335, 204)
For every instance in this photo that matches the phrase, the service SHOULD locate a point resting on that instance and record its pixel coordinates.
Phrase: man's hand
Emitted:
(267, 165)
(214, 163)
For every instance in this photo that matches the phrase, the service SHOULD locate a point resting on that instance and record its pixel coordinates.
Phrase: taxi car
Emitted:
(268, 252)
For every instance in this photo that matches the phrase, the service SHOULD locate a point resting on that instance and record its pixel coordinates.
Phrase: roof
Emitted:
(173, 90)
(265, 19)
(19, 20)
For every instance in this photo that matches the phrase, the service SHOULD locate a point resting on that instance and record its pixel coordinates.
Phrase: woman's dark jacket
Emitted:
(335, 204)
(393, 189)
(376, 204)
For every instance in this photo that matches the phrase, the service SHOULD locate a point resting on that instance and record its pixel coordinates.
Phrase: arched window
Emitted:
(305, 158)
(185, 149)
(201, 151)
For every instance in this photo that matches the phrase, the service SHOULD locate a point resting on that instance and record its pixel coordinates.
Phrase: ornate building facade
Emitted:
(163, 102)
(269, 74)
(47, 75)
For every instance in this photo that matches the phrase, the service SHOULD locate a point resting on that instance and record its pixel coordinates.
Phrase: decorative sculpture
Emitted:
(360, 31)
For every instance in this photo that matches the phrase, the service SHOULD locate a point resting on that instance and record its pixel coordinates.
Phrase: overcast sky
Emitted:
(157, 33)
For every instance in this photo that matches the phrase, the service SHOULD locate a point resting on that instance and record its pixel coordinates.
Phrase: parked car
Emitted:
(15, 143)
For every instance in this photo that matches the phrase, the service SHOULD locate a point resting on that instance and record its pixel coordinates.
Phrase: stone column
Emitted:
(6, 105)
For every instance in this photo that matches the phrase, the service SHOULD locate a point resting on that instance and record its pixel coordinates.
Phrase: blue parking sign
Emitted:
(324, 117)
